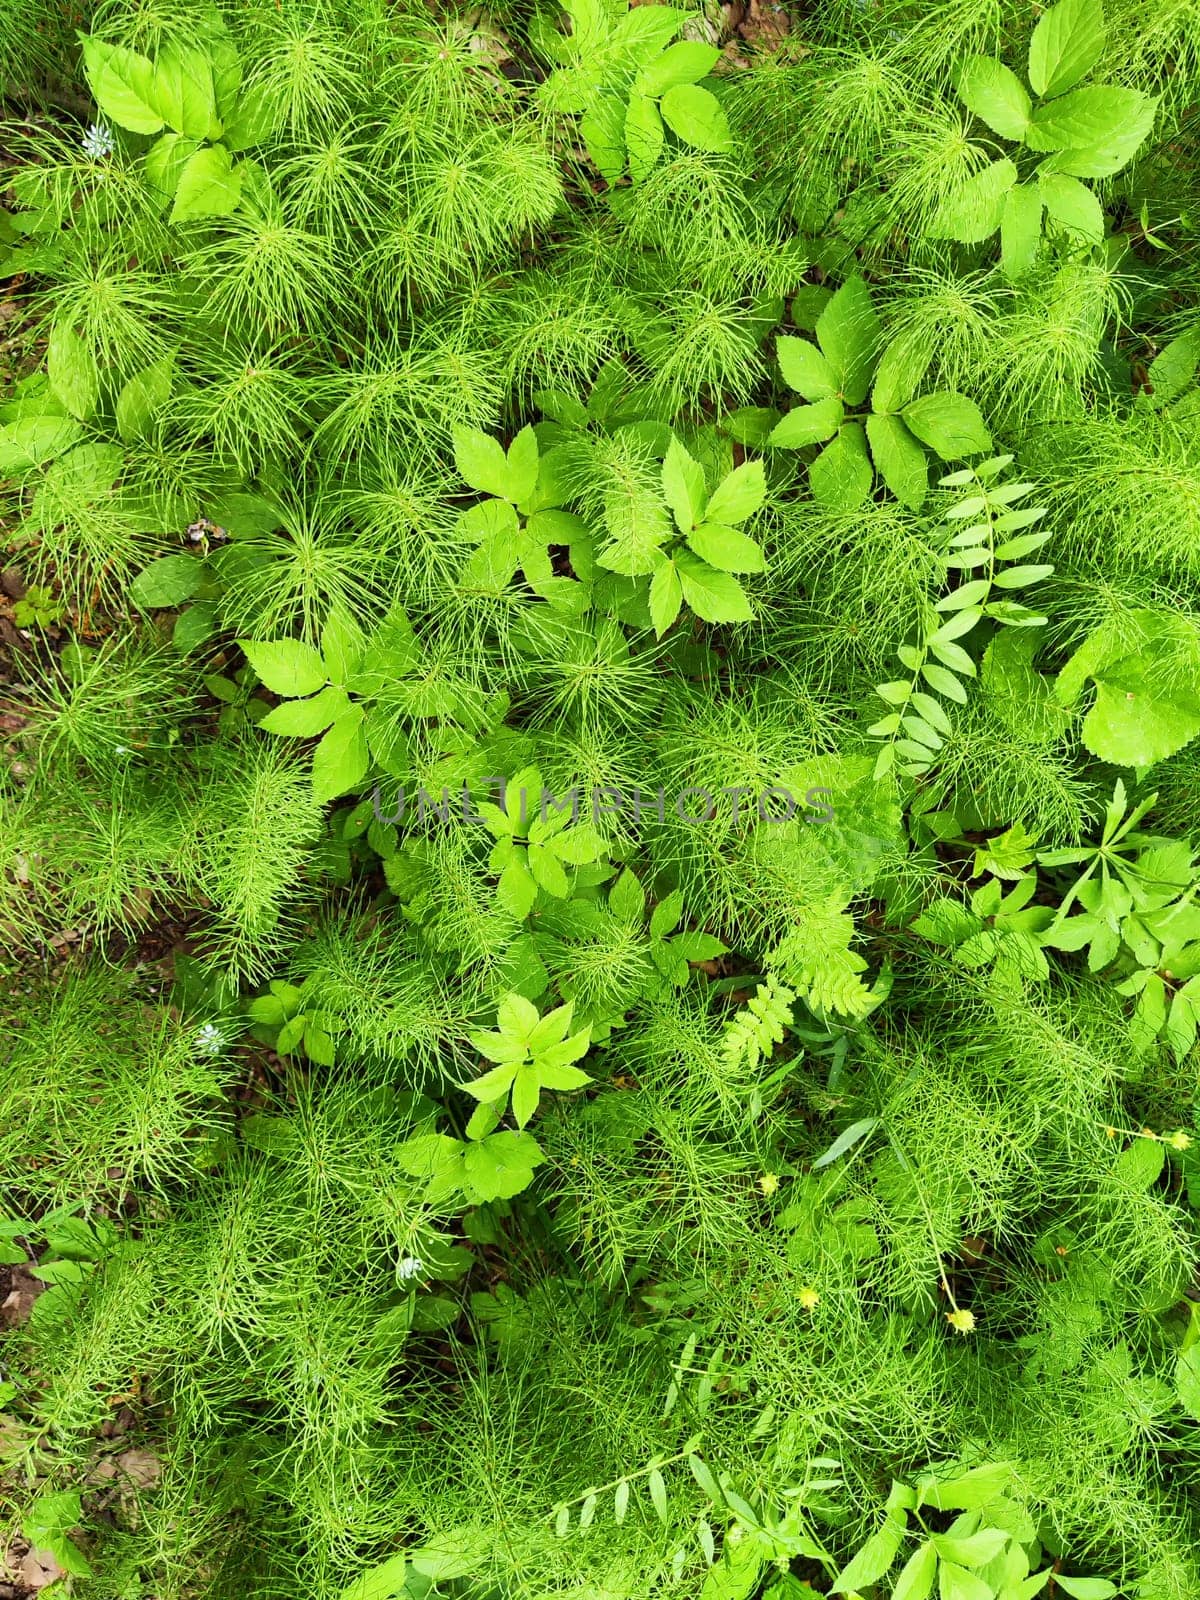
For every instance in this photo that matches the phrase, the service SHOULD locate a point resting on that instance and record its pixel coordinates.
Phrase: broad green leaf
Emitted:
(341, 759)
(969, 1491)
(738, 496)
(517, 890)
(122, 82)
(899, 373)
(74, 375)
(644, 135)
(208, 186)
(603, 132)
(695, 115)
(683, 486)
(257, 115)
(302, 719)
(384, 1582)
(944, 682)
(948, 423)
(290, 1035)
(683, 63)
(996, 95)
(842, 474)
(1174, 367)
(183, 92)
(848, 334)
(1066, 45)
(726, 548)
(666, 597)
(975, 1550)
(1095, 130)
(956, 1583)
(804, 425)
(33, 441)
(1085, 1588)
(342, 645)
(899, 459)
(286, 666)
(548, 872)
(1020, 229)
(627, 898)
(501, 1165)
(714, 596)
(645, 30)
(169, 581)
(144, 395)
(917, 1574)
(166, 159)
(805, 369)
(1131, 726)
(526, 1092)
(481, 461)
(976, 210)
(871, 1563)
(1072, 205)
(521, 466)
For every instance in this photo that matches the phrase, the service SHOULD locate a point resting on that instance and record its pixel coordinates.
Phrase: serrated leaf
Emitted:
(341, 759)
(683, 63)
(122, 82)
(1020, 229)
(915, 1581)
(696, 116)
(848, 334)
(726, 548)
(302, 719)
(209, 186)
(899, 459)
(842, 475)
(804, 425)
(871, 1563)
(142, 397)
(974, 212)
(286, 666)
(1066, 45)
(1072, 205)
(805, 369)
(948, 423)
(683, 486)
(714, 596)
(738, 496)
(72, 370)
(995, 94)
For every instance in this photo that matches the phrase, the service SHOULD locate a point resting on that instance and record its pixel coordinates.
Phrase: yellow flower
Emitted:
(961, 1321)
(809, 1299)
(769, 1182)
(1178, 1140)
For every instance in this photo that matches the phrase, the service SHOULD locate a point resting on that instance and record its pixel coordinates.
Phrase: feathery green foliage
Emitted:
(521, 1078)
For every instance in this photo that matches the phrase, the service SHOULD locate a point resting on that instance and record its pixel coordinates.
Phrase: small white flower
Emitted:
(410, 1267)
(210, 1040)
(98, 141)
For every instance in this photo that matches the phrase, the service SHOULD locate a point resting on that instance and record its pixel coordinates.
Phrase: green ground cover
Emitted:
(600, 800)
